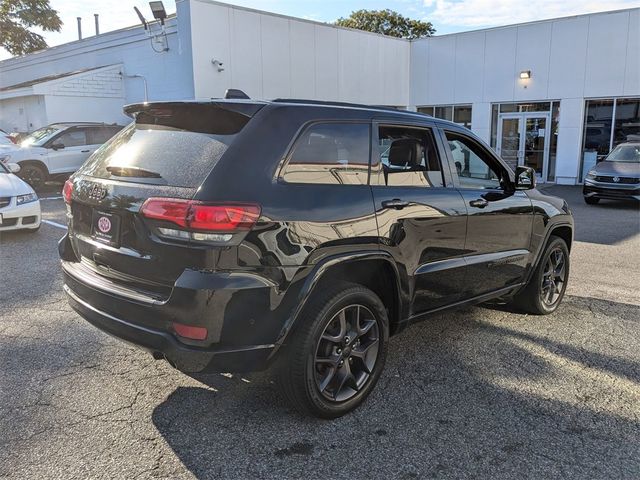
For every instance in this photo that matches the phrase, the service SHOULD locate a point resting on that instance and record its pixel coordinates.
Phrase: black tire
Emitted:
(591, 200)
(310, 359)
(33, 174)
(539, 296)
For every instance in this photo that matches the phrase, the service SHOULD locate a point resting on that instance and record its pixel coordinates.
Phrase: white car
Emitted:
(19, 204)
(59, 148)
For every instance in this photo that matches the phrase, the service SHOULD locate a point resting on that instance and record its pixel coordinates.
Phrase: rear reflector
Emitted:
(195, 215)
(67, 190)
(189, 331)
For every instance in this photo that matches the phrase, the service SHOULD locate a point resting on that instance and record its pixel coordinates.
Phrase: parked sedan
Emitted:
(19, 204)
(616, 177)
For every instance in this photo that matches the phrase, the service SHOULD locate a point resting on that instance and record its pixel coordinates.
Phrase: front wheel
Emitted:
(335, 357)
(33, 174)
(546, 288)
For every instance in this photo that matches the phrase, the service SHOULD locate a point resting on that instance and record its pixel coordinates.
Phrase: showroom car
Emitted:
(19, 204)
(57, 149)
(238, 235)
(617, 177)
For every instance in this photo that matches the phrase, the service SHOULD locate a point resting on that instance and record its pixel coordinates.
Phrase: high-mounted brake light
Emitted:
(67, 190)
(217, 221)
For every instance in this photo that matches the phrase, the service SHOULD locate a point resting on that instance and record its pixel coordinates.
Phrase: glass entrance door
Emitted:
(523, 139)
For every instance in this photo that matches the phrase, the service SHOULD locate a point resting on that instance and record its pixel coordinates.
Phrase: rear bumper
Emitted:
(244, 314)
(184, 357)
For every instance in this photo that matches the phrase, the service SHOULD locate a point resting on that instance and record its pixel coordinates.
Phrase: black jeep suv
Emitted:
(233, 235)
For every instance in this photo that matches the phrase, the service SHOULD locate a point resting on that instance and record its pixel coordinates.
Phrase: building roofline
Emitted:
(297, 19)
(524, 24)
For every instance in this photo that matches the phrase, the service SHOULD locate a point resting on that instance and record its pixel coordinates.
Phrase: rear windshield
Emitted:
(175, 146)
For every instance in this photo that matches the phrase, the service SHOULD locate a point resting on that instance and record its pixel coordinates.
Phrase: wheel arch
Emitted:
(374, 270)
(38, 163)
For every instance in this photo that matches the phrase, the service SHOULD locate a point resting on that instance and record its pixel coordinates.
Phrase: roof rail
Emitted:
(383, 108)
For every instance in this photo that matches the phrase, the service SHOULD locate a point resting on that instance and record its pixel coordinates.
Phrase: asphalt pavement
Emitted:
(479, 393)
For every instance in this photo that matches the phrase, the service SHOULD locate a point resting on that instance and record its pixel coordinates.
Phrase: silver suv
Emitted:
(59, 148)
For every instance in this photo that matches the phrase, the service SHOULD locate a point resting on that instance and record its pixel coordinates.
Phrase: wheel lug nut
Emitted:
(339, 351)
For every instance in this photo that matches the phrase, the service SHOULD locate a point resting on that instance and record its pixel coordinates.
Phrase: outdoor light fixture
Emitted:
(159, 13)
(525, 74)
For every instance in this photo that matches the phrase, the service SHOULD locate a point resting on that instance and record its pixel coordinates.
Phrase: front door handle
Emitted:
(395, 203)
(479, 203)
(85, 151)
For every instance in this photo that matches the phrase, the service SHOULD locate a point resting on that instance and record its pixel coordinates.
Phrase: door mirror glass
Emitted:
(13, 167)
(525, 178)
(57, 146)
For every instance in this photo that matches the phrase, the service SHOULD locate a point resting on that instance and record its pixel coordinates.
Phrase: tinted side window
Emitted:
(409, 157)
(99, 135)
(72, 138)
(330, 153)
(475, 167)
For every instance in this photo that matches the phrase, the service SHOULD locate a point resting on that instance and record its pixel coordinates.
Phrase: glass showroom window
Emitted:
(460, 114)
(607, 123)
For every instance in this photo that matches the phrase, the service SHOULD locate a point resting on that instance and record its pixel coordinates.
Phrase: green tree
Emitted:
(387, 22)
(18, 16)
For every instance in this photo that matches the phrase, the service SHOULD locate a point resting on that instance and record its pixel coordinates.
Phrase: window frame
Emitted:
(375, 161)
(297, 138)
(64, 132)
(510, 175)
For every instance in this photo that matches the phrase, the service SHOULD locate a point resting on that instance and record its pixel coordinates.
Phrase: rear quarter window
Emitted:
(330, 153)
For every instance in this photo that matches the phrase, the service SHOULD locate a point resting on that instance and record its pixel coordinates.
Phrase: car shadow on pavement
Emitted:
(473, 393)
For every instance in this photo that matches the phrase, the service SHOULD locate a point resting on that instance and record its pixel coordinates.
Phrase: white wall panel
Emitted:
(303, 59)
(442, 69)
(469, 67)
(568, 57)
(419, 72)
(632, 70)
(606, 54)
(326, 62)
(276, 57)
(499, 70)
(246, 52)
(532, 53)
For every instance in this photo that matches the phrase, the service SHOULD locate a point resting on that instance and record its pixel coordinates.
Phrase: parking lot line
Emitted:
(59, 225)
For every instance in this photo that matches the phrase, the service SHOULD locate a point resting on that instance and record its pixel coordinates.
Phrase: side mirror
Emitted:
(13, 167)
(57, 146)
(525, 178)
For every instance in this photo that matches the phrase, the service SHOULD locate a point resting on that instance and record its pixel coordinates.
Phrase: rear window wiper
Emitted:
(132, 172)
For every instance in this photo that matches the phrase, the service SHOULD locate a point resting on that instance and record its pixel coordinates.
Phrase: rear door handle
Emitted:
(479, 203)
(395, 203)
(85, 151)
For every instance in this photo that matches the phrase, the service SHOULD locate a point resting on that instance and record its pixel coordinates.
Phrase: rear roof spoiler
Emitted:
(243, 107)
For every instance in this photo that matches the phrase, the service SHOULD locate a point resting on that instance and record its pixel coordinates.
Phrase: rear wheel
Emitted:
(591, 200)
(33, 174)
(546, 288)
(335, 357)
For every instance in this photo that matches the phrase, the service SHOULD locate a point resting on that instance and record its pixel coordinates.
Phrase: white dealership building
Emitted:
(553, 94)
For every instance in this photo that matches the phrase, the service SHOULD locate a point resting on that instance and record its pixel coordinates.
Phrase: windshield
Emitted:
(4, 140)
(39, 137)
(625, 153)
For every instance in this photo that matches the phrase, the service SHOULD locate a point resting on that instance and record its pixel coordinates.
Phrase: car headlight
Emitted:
(592, 174)
(29, 197)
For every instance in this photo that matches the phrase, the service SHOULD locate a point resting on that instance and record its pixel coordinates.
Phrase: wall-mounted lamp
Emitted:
(218, 64)
(525, 74)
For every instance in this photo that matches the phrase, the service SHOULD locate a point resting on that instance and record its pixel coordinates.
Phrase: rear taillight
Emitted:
(200, 221)
(67, 190)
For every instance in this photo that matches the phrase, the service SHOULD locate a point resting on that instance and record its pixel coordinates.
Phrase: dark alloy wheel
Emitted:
(336, 354)
(553, 277)
(33, 175)
(346, 353)
(546, 288)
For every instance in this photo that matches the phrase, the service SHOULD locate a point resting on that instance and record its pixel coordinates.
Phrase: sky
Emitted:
(448, 16)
